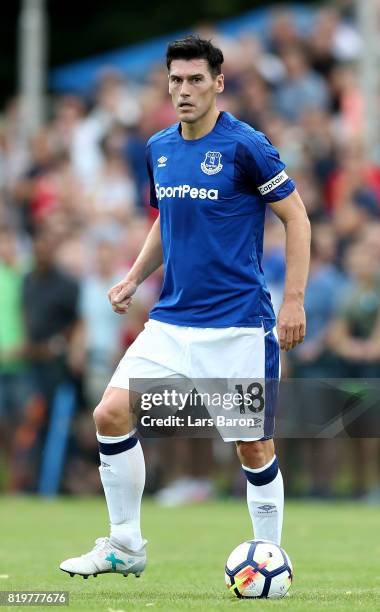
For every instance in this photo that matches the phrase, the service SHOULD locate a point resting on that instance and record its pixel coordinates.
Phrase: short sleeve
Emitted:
(152, 190)
(261, 169)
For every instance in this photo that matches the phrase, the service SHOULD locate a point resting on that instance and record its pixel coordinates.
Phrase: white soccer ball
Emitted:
(258, 569)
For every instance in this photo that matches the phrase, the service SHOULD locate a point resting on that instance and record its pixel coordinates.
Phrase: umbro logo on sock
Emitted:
(267, 508)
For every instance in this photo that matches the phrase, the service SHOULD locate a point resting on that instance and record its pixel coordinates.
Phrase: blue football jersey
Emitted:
(211, 194)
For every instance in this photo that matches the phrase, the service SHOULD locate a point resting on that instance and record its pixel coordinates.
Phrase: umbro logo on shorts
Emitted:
(276, 181)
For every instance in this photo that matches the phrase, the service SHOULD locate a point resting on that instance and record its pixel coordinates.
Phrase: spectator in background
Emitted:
(319, 148)
(50, 306)
(255, 99)
(357, 316)
(326, 283)
(49, 186)
(287, 138)
(310, 190)
(157, 111)
(78, 134)
(283, 32)
(268, 66)
(112, 195)
(369, 239)
(14, 387)
(351, 339)
(97, 346)
(313, 362)
(320, 44)
(40, 157)
(117, 99)
(14, 154)
(302, 89)
(347, 99)
(353, 192)
(345, 39)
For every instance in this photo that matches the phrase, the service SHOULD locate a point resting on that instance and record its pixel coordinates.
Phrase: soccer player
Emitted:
(211, 178)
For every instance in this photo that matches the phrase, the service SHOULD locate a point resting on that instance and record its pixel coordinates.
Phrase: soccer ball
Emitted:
(258, 569)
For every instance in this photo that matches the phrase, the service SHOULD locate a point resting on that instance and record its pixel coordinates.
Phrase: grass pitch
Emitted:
(335, 549)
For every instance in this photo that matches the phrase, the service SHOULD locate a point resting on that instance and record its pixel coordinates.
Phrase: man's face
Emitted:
(193, 88)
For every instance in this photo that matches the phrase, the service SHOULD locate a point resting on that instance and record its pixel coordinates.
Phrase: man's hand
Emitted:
(120, 295)
(291, 324)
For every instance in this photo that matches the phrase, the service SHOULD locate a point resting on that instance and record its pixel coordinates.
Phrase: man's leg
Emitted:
(265, 488)
(122, 467)
(122, 472)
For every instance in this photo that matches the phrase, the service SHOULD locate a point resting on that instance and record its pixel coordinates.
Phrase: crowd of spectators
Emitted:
(74, 212)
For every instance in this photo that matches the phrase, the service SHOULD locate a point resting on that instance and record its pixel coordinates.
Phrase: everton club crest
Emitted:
(211, 163)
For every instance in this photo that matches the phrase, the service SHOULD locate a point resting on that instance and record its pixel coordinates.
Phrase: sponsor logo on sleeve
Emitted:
(274, 182)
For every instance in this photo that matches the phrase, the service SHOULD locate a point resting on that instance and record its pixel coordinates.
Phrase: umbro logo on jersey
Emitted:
(211, 163)
(276, 181)
(162, 161)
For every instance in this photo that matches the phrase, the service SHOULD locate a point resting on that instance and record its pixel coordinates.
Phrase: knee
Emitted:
(107, 415)
(255, 454)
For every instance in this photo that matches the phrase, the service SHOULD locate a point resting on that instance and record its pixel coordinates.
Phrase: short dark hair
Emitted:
(193, 47)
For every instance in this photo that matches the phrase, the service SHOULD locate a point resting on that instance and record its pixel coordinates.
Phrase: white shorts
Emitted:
(164, 351)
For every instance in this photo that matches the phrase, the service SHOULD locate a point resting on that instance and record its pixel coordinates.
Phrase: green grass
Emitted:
(335, 550)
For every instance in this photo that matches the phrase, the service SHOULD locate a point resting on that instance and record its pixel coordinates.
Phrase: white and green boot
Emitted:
(105, 558)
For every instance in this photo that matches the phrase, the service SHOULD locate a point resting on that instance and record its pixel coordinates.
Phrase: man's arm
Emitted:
(291, 318)
(149, 259)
